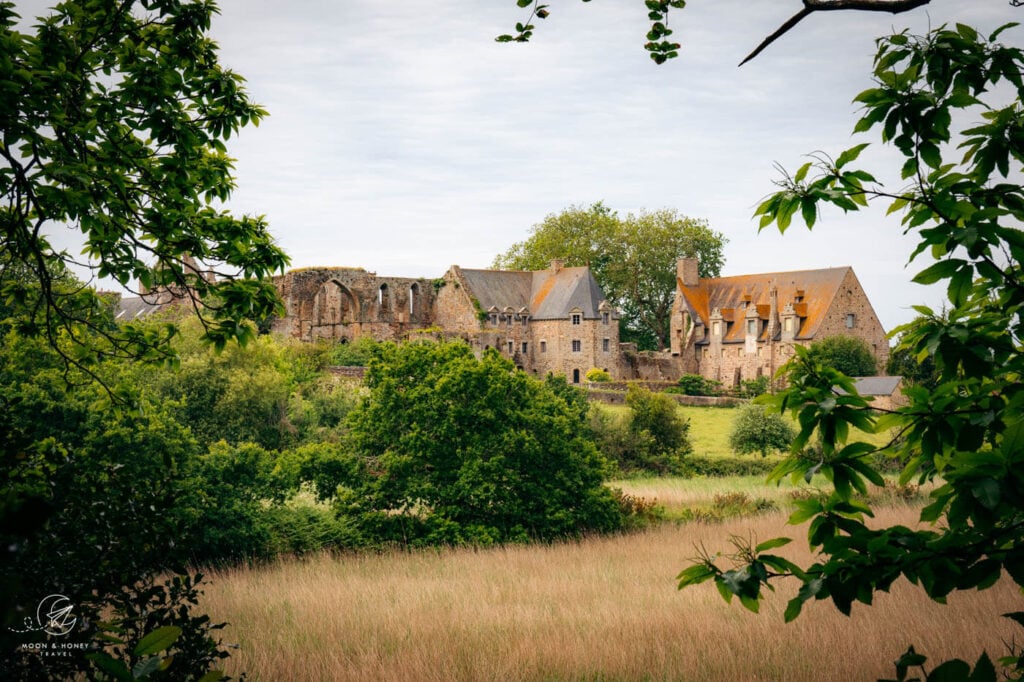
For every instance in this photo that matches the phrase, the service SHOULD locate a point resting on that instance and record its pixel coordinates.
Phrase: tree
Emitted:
(632, 258)
(460, 450)
(966, 433)
(847, 354)
(657, 429)
(114, 123)
(757, 430)
(662, 49)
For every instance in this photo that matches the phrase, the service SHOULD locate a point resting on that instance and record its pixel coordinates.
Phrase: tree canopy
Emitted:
(848, 354)
(114, 124)
(965, 433)
(632, 258)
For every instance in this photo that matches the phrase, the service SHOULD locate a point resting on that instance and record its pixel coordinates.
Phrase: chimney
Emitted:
(557, 264)
(686, 271)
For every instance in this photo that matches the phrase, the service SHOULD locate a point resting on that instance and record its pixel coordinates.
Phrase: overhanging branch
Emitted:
(810, 6)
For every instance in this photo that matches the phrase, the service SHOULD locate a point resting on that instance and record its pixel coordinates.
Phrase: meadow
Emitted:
(599, 609)
(602, 608)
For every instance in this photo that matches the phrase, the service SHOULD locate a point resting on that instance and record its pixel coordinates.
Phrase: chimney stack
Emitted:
(686, 271)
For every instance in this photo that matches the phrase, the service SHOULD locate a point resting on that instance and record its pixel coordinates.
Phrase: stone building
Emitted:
(342, 304)
(555, 320)
(732, 329)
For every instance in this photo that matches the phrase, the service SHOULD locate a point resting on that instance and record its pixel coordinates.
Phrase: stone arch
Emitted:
(414, 292)
(334, 304)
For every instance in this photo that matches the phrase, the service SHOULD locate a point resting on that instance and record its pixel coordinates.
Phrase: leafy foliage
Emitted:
(848, 354)
(657, 430)
(598, 375)
(755, 429)
(966, 432)
(695, 384)
(632, 258)
(465, 450)
(115, 123)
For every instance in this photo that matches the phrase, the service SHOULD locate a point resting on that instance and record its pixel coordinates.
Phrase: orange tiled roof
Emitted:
(818, 289)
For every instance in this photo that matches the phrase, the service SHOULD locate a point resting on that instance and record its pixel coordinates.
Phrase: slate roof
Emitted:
(877, 385)
(546, 294)
(819, 289)
(134, 307)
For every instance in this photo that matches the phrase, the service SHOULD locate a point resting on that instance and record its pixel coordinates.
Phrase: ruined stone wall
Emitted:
(343, 304)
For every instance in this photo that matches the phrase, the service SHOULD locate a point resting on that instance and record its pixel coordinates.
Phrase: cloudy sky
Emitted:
(403, 139)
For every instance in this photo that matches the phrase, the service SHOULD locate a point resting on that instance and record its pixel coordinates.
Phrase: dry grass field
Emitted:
(600, 609)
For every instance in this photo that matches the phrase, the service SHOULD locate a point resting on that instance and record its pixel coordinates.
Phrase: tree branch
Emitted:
(892, 6)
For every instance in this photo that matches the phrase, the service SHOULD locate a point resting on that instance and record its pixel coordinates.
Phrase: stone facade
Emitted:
(342, 304)
(732, 329)
(553, 320)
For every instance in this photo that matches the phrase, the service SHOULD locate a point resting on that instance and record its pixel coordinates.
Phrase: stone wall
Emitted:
(342, 304)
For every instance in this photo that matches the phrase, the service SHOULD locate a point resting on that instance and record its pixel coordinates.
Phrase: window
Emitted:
(606, 318)
(526, 319)
(577, 346)
(606, 345)
(508, 319)
(788, 324)
(494, 318)
(850, 320)
(577, 318)
(413, 291)
(511, 346)
(524, 347)
(543, 346)
(752, 327)
(382, 296)
(716, 328)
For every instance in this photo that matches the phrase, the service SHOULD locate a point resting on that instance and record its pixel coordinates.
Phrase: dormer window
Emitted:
(606, 317)
(577, 318)
(493, 318)
(752, 327)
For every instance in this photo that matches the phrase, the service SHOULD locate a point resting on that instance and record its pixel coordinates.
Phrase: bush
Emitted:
(751, 388)
(695, 384)
(472, 451)
(847, 354)
(597, 376)
(658, 434)
(757, 430)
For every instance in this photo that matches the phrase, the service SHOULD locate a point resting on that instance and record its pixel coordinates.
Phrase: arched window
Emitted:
(414, 291)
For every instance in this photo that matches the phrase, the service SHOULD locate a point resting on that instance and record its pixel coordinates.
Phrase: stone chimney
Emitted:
(557, 264)
(686, 271)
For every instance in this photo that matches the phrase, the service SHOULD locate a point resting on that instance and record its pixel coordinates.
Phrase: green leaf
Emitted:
(772, 544)
(850, 154)
(117, 669)
(951, 671)
(941, 270)
(157, 641)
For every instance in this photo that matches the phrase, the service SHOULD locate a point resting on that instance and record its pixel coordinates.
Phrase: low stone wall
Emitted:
(350, 372)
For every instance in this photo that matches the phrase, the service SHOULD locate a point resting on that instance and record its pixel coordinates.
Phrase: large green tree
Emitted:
(965, 206)
(114, 122)
(633, 258)
(466, 450)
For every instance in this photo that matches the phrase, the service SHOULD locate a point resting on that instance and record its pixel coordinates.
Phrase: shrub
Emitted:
(657, 433)
(472, 451)
(695, 384)
(847, 354)
(596, 375)
(751, 388)
(757, 430)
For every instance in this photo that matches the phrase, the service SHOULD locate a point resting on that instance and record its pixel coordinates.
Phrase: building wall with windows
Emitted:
(734, 329)
(555, 320)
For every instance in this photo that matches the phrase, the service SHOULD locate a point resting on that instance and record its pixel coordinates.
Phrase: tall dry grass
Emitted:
(601, 609)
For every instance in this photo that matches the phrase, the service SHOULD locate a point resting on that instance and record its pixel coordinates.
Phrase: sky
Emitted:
(403, 139)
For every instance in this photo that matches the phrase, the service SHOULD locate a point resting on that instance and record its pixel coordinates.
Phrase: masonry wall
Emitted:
(342, 304)
(866, 326)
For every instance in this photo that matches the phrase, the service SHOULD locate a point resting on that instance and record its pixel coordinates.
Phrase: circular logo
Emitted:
(54, 615)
